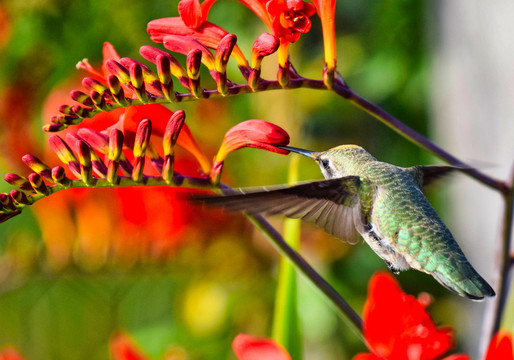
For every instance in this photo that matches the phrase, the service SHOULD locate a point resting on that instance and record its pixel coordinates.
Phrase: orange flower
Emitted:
(208, 34)
(326, 11)
(397, 326)
(258, 134)
(501, 346)
(247, 347)
(285, 19)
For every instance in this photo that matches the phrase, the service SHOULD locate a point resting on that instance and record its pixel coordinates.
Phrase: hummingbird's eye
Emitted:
(325, 163)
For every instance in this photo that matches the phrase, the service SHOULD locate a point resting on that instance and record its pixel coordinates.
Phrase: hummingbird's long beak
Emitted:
(308, 153)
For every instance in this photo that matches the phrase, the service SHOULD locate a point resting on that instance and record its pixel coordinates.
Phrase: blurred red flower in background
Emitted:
(10, 354)
(247, 347)
(123, 348)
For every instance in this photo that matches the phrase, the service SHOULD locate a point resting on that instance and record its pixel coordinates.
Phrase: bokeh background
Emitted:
(81, 265)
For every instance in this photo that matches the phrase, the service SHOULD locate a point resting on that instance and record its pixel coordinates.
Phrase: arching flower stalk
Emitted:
(95, 159)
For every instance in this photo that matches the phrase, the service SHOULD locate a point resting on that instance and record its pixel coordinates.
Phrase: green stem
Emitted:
(286, 327)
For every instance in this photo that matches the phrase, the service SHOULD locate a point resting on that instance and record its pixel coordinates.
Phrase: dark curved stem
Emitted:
(304, 267)
(376, 111)
(506, 260)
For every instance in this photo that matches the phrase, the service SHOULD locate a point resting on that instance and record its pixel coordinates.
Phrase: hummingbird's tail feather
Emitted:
(473, 287)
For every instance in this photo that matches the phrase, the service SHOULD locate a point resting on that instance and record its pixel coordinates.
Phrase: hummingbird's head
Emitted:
(337, 162)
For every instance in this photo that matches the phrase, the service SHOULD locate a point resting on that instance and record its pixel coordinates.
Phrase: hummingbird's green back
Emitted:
(404, 222)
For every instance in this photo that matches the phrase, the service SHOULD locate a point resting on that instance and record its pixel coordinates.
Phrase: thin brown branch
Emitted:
(506, 259)
(303, 266)
(344, 91)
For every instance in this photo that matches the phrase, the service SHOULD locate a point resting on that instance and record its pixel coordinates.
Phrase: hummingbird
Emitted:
(381, 202)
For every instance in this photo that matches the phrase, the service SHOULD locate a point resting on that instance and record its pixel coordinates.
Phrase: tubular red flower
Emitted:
(258, 134)
(266, 44)
(193, 13)
(206, 33)
(397, 326)
(326, 10)
(290, 18)
(247, 347)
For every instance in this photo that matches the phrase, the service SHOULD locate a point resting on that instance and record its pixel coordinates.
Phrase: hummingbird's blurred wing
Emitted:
(331, 204)
(427, 174)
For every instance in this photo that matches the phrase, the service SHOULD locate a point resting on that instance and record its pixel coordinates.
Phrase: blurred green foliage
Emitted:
(229, 281)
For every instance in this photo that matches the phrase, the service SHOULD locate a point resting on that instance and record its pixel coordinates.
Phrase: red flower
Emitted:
(203, 31)
(286, 19)
(258, 134)
(397, 326)
(501, 346)
(193, 13)
(247, 347)
(290, 18)
(326, 11)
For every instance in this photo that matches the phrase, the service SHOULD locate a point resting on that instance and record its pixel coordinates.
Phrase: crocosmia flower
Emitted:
(248, 347)
(397, 326)
(290, 18)
(258, 134)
